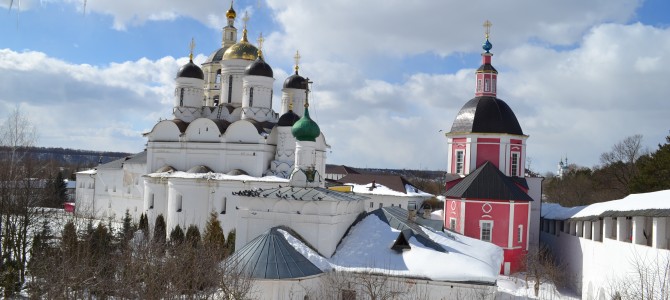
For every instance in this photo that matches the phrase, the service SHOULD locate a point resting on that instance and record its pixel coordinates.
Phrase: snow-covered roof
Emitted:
(367, 248)
(216, 176)
(379, 189)
(301, 193)
(642, 204)
(88, 172)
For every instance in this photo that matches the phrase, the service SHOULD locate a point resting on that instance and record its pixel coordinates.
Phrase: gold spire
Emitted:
(296, 58)
(487, 28)
(191, 46)
(231, 14)
(245, 19)
(260, 45)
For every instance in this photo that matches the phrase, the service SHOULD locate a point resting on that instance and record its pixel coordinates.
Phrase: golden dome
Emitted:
(230, 14)
(241, 50)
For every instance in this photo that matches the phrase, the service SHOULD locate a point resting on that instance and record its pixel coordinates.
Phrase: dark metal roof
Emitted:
(221, 124)
(396, 217)
(394, 182)
(191, 70)
(270, 256)
(488, 183)
(216, 56)
(301, 193)
(259, 68)
(118, 164)
(288, 119)
(181, 125)
(236, 172)
(199, 169)
(486, 114)
(340, 169)
(261, 126)
(295, 81)
(165, 168)
(487, 68)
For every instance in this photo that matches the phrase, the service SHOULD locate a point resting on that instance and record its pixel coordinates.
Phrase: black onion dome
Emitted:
(295, 81)
(259, 68)
(191, 70)
(288, 119)
(486, 114)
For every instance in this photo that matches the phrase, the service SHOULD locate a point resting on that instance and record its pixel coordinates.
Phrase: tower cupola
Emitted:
(306, 129)
(487, 75)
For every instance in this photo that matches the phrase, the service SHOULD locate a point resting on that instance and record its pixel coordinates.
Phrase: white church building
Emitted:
(227, 151)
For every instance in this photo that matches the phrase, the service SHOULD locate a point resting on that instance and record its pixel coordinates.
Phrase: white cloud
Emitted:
(607, 83)
(84, 106)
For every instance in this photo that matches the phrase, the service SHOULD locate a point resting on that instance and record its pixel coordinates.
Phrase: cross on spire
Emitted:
(307, 83)
(260, 45)
(191, 47)
(296, 58)
(487, 28)
(245, 19)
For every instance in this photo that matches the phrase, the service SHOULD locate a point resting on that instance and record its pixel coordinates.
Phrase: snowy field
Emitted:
(514, 287)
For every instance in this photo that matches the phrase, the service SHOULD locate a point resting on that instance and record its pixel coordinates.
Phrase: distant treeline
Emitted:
(64, 156)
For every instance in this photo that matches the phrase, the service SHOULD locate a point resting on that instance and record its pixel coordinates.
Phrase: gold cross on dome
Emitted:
(245, 19)
(487, 28)
(296, 58)
(191, 46)
(260, 41)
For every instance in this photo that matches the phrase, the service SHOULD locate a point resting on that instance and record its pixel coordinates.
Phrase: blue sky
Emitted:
(580, 75)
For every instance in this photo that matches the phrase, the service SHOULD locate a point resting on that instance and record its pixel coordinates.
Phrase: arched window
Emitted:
(271, 92)
(218, 76)
(230, 88)
(216, 100)
(479, 85)
(487, 85)
(181, 97)
(251, 97)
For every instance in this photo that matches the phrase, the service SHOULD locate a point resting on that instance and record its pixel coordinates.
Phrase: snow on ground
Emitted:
(653, 200)
(437, 215)
(515, 288)
(367, 248)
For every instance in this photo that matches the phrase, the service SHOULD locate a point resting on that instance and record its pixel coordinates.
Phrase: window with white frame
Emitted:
(178, 203)
(514, 164)
(487, 85)
(460, 161)
(485, 230)
(479, 85)
(372, 204)
(151, 201)
(519, 234)
(452, 224)
(381, 205)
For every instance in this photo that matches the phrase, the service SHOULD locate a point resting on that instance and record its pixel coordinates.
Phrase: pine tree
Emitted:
(160, 231)
(214, 240)
(128, 229)
(69, 239)
(177, 236)
(193, 236)
(230, 242)
(144, 224)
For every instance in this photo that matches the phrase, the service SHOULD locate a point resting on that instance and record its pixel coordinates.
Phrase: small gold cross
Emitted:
(487, 28)
(296, 58)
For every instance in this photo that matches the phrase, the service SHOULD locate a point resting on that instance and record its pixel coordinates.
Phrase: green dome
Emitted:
(305, 129)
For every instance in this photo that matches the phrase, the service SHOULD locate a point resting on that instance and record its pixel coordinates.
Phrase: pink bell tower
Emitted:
(487, 75)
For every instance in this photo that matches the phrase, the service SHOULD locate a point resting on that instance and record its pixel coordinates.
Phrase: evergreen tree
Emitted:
(160, 231)
(230, 242)
(144, 224)
(69, 239)
(193, 236)
(128, 228)
(654, 171)
(177, 236)
(214, 239)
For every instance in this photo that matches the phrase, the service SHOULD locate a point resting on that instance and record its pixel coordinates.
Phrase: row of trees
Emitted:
(627, 168)
(133, 262)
